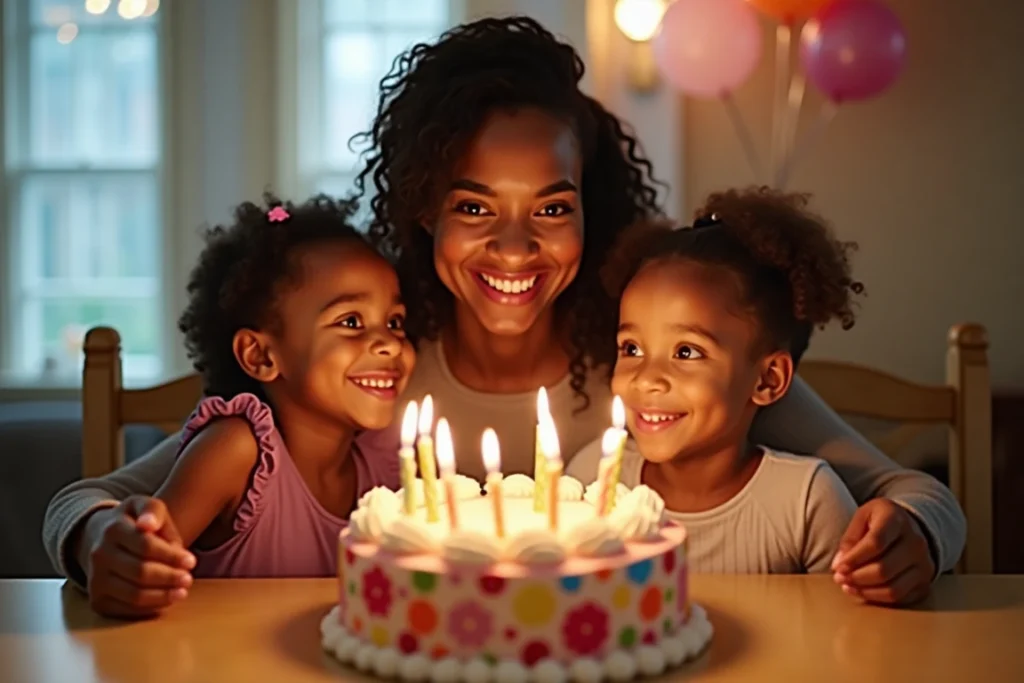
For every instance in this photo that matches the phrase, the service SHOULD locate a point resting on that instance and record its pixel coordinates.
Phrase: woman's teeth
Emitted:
(660, 417)
(375, 383)
(509, 286)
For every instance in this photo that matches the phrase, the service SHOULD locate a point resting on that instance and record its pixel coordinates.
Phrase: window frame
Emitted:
(14, 172)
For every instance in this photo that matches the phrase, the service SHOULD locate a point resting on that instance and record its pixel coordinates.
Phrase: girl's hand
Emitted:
(884, 556)
(134, 560)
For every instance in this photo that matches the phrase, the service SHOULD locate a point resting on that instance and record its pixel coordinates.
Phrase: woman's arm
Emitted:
(827, 512)
(71, 507)
(209, 476)
(802, 423)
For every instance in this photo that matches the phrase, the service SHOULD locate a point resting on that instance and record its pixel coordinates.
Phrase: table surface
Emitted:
(767, 628)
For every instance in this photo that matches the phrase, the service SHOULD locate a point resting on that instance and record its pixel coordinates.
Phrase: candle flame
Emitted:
(549, 439)
(444, 449)
(491, 451)
(543, 409)
(426, 415)
(609, 443)
(618, 413)
(409, 425)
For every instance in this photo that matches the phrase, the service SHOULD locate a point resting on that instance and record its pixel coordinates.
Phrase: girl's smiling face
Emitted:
(688, 370)
(509, 235)
(339, 350)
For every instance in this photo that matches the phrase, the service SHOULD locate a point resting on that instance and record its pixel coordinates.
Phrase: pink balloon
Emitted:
(853, 49)
(708, 48)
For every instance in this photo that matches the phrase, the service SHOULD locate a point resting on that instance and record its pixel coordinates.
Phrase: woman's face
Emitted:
(509, 234)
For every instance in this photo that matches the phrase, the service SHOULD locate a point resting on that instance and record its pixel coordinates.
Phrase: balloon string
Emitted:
(743, 132)
(783, 39)
(797, 87)
(827, 112)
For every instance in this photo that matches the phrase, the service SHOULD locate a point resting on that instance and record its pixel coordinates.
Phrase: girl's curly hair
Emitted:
(794, 273)
(433, 102)
(241, 273)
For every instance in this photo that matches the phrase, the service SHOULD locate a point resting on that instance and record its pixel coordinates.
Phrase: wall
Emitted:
(926, 179)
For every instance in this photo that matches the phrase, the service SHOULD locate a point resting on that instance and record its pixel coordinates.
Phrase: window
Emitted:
(82, 153)
(353, 44)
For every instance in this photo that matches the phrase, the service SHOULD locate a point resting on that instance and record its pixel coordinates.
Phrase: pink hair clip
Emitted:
(278, 215)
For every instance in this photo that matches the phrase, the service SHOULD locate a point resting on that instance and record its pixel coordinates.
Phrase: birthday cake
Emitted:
(463, 587)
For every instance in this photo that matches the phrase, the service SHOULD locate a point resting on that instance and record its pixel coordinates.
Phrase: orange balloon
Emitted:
(789, 11)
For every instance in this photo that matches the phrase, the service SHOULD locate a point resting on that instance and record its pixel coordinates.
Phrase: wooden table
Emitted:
(767, 628)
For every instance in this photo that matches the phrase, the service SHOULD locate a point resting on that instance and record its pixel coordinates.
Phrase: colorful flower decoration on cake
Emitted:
(571, 584)
(681, 596)
(424, 582)
(585, 629)
(627, 637)
(640, 572)
(422, 617)
(534, 605)
(620, 597)
(469, 624)
(669, 560)
(377, 592)
(534, 651)
(407, 643)
(492, 585)
(650, 603)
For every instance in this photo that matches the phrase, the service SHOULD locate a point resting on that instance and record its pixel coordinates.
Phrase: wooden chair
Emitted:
(963, 403)
(107, 406)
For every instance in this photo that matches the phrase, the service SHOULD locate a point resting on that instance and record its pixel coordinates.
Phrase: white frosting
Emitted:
(477, 671)
(569, 488)
(650, 660)
(377, 508)
(535, 546)
(470, 547)
(415, 668)
(594, 538)
(619, 665)
(594, 491)
(465, 488)
(515, 486)
(385, 663)
(510, 671)
(639, 516)
(549, 671)
(409, 535)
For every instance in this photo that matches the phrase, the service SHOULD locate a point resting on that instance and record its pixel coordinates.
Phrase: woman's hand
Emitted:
(133, 559)
(884, 556)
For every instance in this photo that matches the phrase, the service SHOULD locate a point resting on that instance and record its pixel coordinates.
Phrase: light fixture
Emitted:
(131, 9)
(639, 21)
(97, 7)
(151, 7)
(67, 32)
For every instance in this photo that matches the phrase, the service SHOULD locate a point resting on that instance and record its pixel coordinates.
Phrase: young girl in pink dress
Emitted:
(296, 326)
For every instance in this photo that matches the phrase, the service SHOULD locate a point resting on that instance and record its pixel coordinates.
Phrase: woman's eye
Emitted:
(687, 352)
(629, 349)
(353, 322)
(556, 210)
(471, 208)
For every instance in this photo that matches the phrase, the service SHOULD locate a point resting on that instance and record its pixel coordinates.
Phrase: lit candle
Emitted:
(605, 470)
(539, 461)
(407, 458)
(619, 445)
(553, 458)
(446, 462)
(425, 450)
(492, 463)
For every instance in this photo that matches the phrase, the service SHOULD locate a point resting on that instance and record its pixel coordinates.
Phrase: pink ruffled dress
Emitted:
(280, 528)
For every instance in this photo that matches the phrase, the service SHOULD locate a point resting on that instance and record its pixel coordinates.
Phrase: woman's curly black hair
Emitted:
(794, 273)
(434, 101)
(241, 273)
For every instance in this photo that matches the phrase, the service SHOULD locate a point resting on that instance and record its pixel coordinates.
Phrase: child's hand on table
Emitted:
(134, 560)
(884, 556)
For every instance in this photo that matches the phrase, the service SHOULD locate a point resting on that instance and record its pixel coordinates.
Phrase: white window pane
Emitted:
(342, 185)
(423, 13)
(54, 13)
(94, 100)
(349, 12)
(88, 228)
(352, 71)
